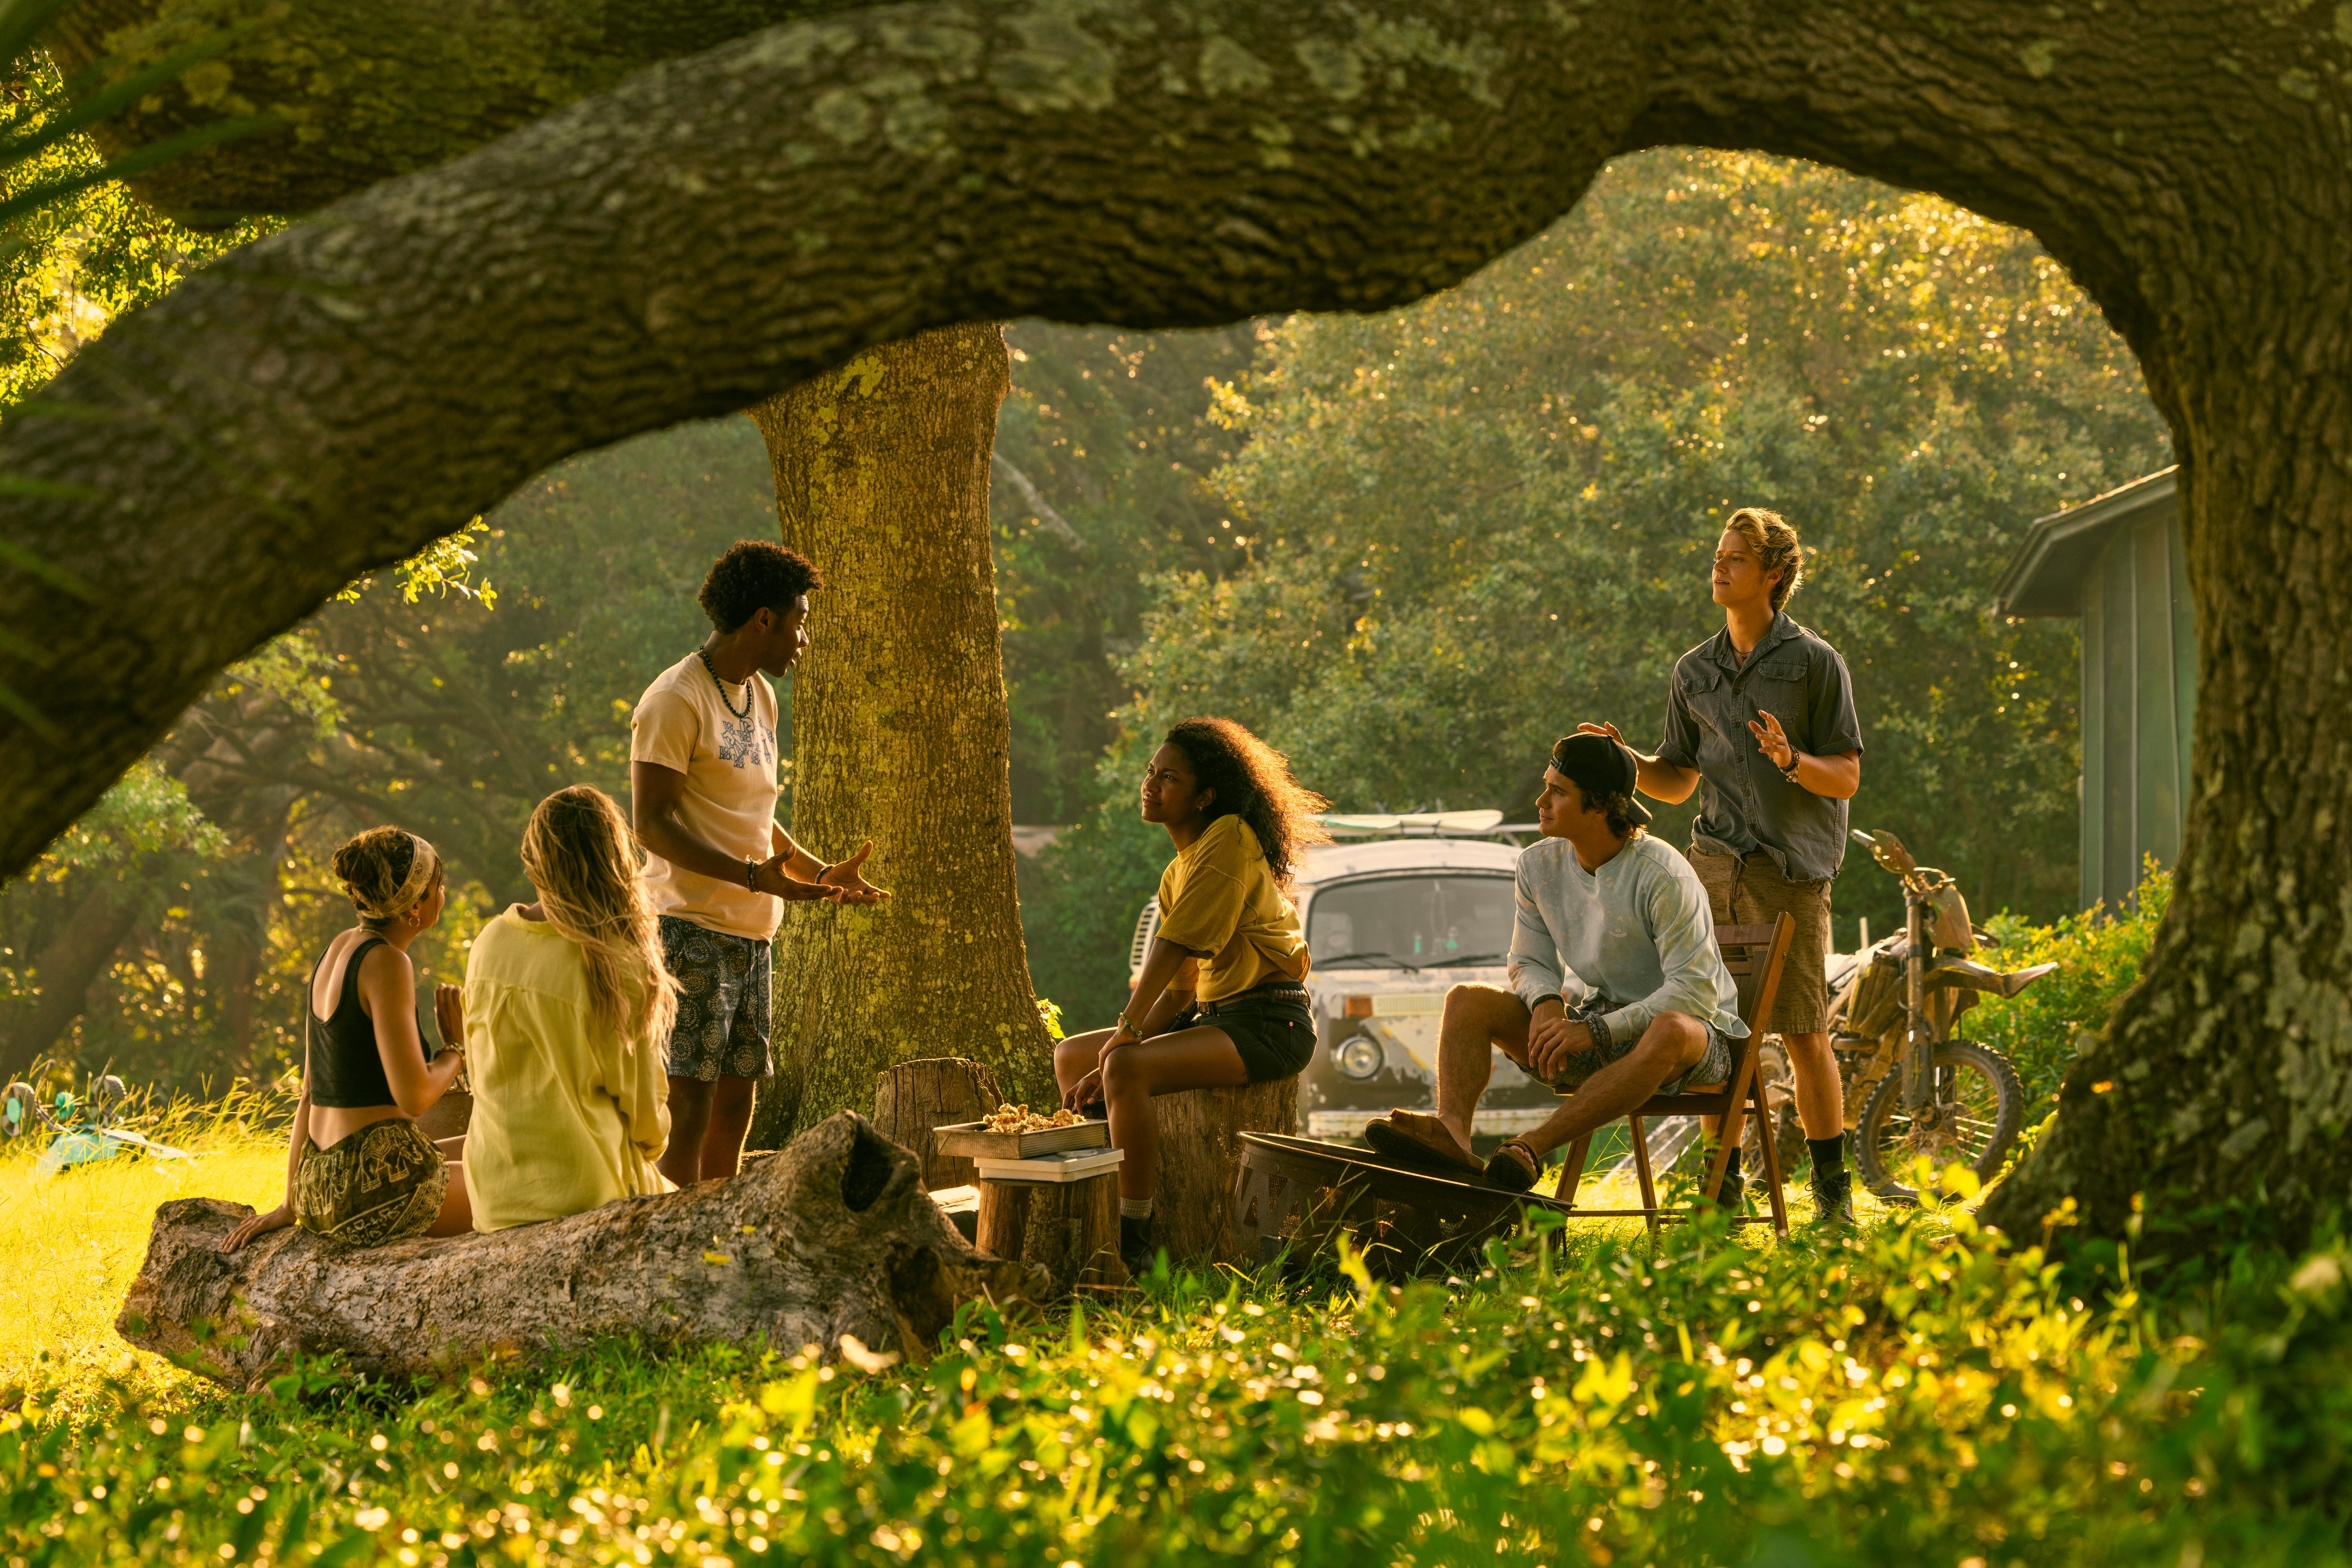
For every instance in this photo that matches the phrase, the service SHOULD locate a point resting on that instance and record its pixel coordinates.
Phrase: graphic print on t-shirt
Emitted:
(745, 742)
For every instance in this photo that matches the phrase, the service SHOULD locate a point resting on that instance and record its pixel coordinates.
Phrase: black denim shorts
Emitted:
(1270, 1025)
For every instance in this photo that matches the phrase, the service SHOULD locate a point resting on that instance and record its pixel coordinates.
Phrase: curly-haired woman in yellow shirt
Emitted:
(1221, 999)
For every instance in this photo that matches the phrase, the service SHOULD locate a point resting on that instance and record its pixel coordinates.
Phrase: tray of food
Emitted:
(1017, 1133)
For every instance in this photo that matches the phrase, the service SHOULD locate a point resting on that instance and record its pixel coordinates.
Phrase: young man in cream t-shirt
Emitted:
(702, 782)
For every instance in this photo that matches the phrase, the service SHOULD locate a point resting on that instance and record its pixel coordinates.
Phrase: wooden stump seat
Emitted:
(1201, 1157)
(1070, 1229)
(910, 1098)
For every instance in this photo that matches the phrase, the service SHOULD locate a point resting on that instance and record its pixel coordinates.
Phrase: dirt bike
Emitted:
(1921, 1088)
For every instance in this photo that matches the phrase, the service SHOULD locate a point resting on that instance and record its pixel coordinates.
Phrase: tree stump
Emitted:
(1200, 1160)
(910, 1098)
(829, 1240)
(1070, 1229)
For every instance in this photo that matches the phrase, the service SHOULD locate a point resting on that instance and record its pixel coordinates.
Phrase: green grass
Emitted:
(1914, 1394)
(71, 1242)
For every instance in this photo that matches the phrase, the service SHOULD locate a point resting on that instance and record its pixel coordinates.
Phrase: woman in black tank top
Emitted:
(360, 1171)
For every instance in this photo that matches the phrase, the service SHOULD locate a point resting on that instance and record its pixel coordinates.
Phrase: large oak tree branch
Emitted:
(364, 90)
(718, 228)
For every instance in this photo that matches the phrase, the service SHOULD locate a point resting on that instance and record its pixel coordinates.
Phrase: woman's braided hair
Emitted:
(1253, 782)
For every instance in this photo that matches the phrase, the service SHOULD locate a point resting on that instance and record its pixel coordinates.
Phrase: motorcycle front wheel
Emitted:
(1977, 1108)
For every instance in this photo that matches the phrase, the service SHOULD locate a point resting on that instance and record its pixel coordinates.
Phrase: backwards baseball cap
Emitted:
(1600, 766)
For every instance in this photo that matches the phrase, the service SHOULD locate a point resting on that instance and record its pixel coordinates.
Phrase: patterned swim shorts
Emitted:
(723, 994)
(1713, 1066)
(380, 1184)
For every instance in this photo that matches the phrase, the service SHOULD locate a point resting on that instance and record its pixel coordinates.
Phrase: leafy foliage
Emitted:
(1117, 427)
(146, 813)
(80, 251)
(1482, 518)
(2098, 952)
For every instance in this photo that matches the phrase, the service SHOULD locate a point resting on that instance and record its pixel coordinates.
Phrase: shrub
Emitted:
(2098, 954)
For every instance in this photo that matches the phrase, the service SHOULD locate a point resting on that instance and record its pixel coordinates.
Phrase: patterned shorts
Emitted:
(1712, 1067)
(380, 1184)
(723, 994)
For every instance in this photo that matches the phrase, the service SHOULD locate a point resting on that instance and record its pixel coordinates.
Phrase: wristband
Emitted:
(1790, 772)
(752, 875)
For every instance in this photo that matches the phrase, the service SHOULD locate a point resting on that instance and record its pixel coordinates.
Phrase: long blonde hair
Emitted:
(578, 853)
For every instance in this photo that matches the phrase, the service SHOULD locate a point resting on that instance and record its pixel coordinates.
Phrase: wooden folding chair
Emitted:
(1753, 955)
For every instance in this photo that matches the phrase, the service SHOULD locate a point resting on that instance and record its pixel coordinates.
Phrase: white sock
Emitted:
(1135, 1208)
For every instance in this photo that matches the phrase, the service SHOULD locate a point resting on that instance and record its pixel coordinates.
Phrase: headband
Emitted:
(422, 866)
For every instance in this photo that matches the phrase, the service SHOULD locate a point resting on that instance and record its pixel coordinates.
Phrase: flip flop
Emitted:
(1513, 1167)
(1418, 1143)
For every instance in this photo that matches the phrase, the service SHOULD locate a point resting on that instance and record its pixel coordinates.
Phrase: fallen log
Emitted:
(828, 1240)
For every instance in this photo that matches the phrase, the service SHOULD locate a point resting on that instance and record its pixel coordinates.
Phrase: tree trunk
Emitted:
(910, 1098)
(1201, 1159)
(901, 733)
(829, 1240)
(65, 969)
(1069, 1229)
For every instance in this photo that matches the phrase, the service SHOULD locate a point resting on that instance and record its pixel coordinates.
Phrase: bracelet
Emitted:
(752, 875)
(1790, 772)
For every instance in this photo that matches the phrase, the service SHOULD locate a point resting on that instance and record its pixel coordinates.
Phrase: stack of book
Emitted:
(1060, 1165)
(1067, 1153)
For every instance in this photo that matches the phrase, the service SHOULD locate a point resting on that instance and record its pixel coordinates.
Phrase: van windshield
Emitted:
(1416, 923)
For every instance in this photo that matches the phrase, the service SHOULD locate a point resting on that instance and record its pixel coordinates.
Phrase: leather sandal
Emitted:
(1422, 1140)
(1515, 1166)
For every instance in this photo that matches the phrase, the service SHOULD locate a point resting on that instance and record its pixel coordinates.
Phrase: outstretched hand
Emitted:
(849, 879)
(1603, 727)
(776, 882)
(1773, 742)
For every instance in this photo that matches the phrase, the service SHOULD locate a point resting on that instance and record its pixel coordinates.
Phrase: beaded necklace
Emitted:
(704, 655)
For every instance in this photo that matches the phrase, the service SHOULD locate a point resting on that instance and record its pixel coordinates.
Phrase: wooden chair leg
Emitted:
(1641, 1167)
(1768, 1140)
(1572, 1173)
(1718, 1160)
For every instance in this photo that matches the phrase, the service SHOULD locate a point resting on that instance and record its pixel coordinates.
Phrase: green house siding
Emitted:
(2118, 565)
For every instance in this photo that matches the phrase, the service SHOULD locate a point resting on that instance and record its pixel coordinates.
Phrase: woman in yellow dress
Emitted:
(1221, 999)
(567, 1005)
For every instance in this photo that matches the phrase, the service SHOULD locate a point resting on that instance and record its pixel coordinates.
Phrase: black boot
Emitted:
(1833, 1184)
(1135, 1248)
(1732, 1196)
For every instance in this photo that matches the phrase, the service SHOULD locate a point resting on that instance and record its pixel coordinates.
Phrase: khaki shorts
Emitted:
(1751, 891)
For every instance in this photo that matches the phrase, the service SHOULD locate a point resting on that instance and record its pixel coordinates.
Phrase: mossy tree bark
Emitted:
(711, 230)
(900, 732)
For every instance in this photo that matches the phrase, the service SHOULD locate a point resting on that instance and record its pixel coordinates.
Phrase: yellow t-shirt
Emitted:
(1219, 901)
(730, 765)
(568, 1114)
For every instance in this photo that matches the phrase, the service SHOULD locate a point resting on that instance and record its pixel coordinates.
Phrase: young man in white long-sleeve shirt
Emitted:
(1617, 988)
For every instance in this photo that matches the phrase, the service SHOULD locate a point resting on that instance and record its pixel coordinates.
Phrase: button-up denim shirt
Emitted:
(1749, 807)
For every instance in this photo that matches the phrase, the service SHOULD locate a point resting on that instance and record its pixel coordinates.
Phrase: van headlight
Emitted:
(1358, 1056)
